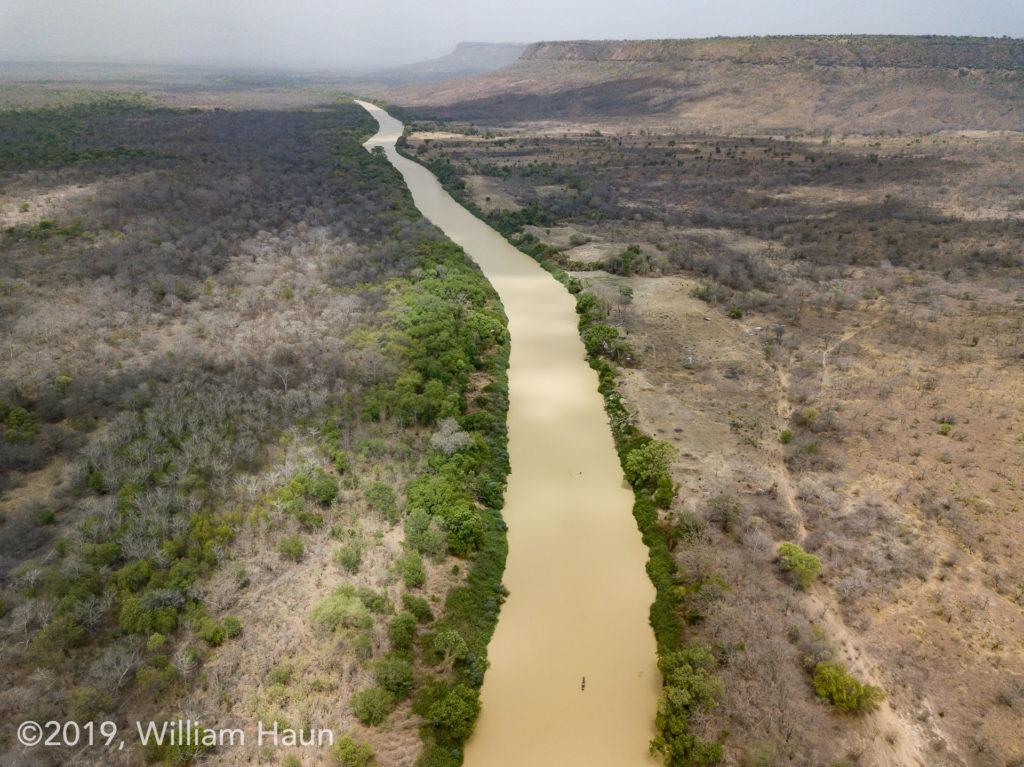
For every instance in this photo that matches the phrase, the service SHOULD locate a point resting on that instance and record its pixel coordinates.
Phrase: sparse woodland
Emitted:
(252, 433)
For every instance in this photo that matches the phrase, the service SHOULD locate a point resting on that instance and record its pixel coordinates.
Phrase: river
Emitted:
(578, 592)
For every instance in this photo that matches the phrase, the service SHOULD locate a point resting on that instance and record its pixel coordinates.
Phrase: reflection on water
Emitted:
(579, 594)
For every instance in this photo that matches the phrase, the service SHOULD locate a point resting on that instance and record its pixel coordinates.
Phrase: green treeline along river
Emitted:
(579, 593)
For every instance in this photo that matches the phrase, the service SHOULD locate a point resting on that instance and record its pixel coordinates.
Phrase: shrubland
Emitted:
(234, 352)
(808, 318)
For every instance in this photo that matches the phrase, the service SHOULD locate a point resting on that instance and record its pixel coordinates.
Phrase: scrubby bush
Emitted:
(418, 606)
(629, 262)
(291, 547)
(322, 487)
(833, 683)
(438, 755)
(394, 674)
(155, 642)
(136, 618)
(665, 492)
(801, 568)
(410, 568)
(402, 631)
(348, 752)
(210, 631)
(84, 702)
(341, 610)
(704, 293)
(157, 678)
(340, 461)
(426, 534)
(19, 425)
(350, 557)
(279, 675)
(311, 484)
(760, 754)
(806, 416)
(172, 752)
(726, 512)
(232, 626)
(588, 306)
(381, 498)
(372, 705)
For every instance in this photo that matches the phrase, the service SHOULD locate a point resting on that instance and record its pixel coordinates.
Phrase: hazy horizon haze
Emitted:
(359, 34)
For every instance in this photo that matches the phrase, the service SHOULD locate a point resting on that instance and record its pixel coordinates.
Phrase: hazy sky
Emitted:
(347, 32)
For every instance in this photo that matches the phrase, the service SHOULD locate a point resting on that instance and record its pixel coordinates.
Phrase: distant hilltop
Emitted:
(988, 53)
(468, 58)
(854, 83)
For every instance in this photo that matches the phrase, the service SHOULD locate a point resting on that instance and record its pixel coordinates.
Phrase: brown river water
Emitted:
(579, 594)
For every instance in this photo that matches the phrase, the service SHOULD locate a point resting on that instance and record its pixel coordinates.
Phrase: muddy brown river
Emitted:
(579, 594)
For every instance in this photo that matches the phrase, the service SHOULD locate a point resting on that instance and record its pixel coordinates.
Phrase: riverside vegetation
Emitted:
(796, 310)
(689, 684)
(253, 434)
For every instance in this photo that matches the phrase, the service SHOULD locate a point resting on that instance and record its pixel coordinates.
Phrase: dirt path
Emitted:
(579, 591)
(891, 738)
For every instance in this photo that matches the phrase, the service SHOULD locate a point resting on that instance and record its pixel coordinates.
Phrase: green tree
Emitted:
(832, 682)
(19, 425)
(600, 339)
(450, 644)
(689, 687)
(802, 568)
(465, 531)
(648, 463)
(455, 713)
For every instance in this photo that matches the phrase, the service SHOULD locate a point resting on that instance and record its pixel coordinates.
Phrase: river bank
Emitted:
(579, 595)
